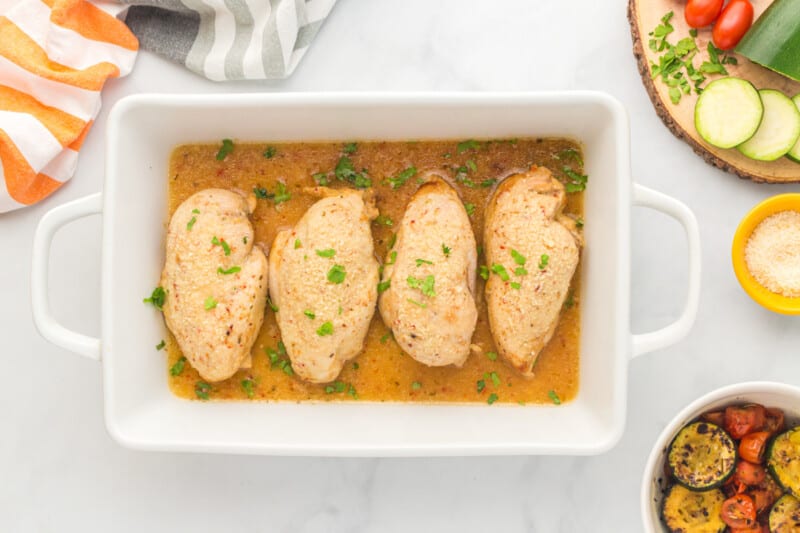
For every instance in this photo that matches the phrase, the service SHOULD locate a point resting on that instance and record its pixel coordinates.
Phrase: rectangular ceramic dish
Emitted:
(142, 413)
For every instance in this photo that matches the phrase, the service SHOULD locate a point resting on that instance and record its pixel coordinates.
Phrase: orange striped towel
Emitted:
(55, 56)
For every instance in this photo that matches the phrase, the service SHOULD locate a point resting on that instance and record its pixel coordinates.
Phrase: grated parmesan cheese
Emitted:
(772, 253)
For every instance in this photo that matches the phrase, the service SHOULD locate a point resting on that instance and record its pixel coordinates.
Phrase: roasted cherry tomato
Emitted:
(753, 446)
(739, 511)
(732, 24)
(701, 13)
(750, 474)
(757, 528)
(774, 422)
(739, 421)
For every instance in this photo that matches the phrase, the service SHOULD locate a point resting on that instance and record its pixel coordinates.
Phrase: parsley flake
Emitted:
(554, 397)
(383, 220)
(349, 148)
(231, 270)
(297, 244)
(190, 224)
(445, 250)
(401, 178)
(416, 385)
(248, 387)
(384, 285)
(270, 152)
(210, 303)
(543, 261)
(492, 356)
(281, 193)
(336, 274)
(272, 305)
(425, 285)
(345, 171)
(518, 257)
(463, 146)
(221, 242)
(160, 345)
(419, 304)
(225, 149)
(501, 271)
(177, 368)
(491, 399)
(421, 262)
(201, 389)
(325, 329)
(157, 298)
(483, 271)
(470, 207)
(310, 314)
(329, 252)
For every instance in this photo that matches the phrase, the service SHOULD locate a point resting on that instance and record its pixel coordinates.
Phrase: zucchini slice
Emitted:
(702, 456)
(794, 153)
(774, 39)
(779, 129)
(783, 460)
(785, 515)
(684, 510)
(728, 112)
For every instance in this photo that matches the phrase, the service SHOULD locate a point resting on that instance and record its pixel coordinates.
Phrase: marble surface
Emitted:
(60, 471)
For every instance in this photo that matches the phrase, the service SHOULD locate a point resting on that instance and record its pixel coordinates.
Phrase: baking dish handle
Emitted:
(668, 335)
(47, 325)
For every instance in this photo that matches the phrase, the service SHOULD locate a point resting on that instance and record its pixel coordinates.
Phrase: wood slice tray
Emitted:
(644, 16)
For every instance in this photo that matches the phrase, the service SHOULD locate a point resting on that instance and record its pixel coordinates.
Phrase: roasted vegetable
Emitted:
(684, 510)
(783, 460)
(702, 456)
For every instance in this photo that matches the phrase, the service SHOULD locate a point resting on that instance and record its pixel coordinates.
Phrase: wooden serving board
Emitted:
(644, 16)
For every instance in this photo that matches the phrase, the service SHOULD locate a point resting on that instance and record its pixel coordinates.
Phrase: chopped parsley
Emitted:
(225, 149)
(190, 224)
(336, 274)
(196, 211)
(392, 240)
(445, 250)
(157, 298)
(401, 179)
(160, 345)
(416, 385)
(329, 252)
(385, 337)
(520, 271)
(554, 397)
(485, 184)
(201, 389)
(248, 387)
(349, 148)
(392, 258)
(515, 285)
(470, 207)
(383, 220)
(495, 379)
(177, 368)
(492, 356)
(384, 285)
(491, 399)
(262, 193)
(286, 367)
(471, 165)
(281, 193)
(337, 386)
(570, 301)
(297, 244)
(272, 305)
(321, 178)
(463, 146)
(501, 271)
(543, 261)
(425, 285)
(579, 222)
(419, 304)
(463, 178)
(481, 385)
(210, 303)
(518, 257)
(270, 152)
(421, 262)
(310, 314)
(217, 242)
(231, 270)
(352, 392)
(570, 153)
(483, 271)
(576, 182)
(355, 366)
(345, 171)
(325, 329)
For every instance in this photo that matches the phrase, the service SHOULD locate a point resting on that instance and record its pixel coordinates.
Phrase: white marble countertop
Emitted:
(60, 471)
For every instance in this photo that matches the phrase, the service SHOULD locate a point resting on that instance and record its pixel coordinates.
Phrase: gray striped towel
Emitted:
(229, 39)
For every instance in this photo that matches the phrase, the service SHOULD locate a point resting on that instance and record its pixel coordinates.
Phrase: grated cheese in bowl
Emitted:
(772, 253)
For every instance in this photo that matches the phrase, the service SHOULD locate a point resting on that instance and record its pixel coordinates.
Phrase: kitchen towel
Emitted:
(56, 55)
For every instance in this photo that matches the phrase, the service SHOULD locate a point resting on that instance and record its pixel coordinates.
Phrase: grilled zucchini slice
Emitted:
(783, 460)
(702, 456)
(785, 515)
(688, 511)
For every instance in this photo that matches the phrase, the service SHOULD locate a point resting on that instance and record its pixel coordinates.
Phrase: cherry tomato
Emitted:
(739, 511)
(774, 422)
(750, 474)
(701, 13)
(739, 421)
(732, 24)
(753, 446)
(756, 528)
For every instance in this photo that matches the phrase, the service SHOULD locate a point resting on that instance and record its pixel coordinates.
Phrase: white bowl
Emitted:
(770, 394)
(142, 413)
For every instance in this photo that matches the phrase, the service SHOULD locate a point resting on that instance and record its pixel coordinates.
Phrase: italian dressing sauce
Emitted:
(382, 372)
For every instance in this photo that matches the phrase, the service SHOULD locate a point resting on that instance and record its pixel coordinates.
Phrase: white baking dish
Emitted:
(142, 413)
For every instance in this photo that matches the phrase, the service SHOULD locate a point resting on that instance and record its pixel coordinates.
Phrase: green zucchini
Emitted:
(702, 456)
(785, 515)
(783, 460)
(774, 39)
(684, 510)
(794, 153)
(728, 112)
(779, 129)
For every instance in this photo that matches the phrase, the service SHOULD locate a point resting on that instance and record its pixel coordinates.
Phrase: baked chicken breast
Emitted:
(323, 279)
(429, 278)
(532, 251)
(215, 282)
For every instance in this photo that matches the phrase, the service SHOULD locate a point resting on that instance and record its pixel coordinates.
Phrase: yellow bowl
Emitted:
(762, 295)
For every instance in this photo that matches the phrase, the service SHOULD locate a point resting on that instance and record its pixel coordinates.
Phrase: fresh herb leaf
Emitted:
(385, 337)
(463, 178)
(425, 285)
(262, 193)
(491, 399)
(501, 271)
(483, 271)
(554, 397)
(577, 182)
(384, 285)
(392, 258)
(543, 261)
(328, 252)
(481, 385)
(419, 304)
(231, 270)
(463, 146)
(225, 149)
(521, 271)
(352, 392)
(196, 211)
(272, 305)
(336, 274)
(471, 165)
(578, 222)
(392, 240)
(270, 152)
(286, 367)
(297, 244)
(416, 385)
(445, 250)
(492, 356)
(421, 262)
(517, 257)
(177, 368)
(569, 303)
(495, 379)
(190, 224)
(349, 148)
(281, 193)
(345, 171)
(248, 387)
(570, 153)
(515, 285)
(210, 303)
(401, 178)
(485, 184)
(157, 298)
(217, 242)
(383, 220)
(244, 240)
(160, 345)
(470, 207)
(325, 329)
(321, 178)
(201, 389)
(310, 314)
